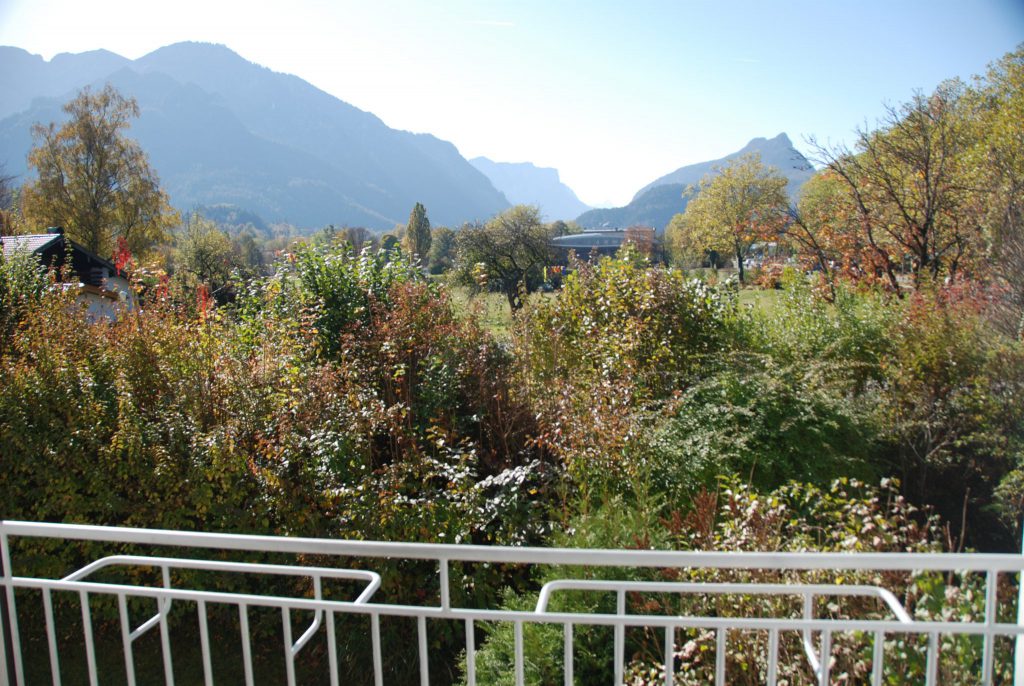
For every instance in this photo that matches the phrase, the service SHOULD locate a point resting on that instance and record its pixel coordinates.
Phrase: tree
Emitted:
(206, 252)
(417, 233)
(442, 250)
(912, 188)
(7, 202)
(822, 232)
(509, 251)
(359, 237)
(744, 203)
(94, 181)
(389, 243)
(998, 100)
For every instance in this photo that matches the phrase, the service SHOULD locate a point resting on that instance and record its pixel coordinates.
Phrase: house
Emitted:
(601, 241)
(606, 241)
(101, 288)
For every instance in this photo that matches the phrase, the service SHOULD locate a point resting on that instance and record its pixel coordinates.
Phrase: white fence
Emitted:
(814, 631)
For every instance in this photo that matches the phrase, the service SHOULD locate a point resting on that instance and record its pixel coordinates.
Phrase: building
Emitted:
(607, 242)
(601, 241)
(101, 288)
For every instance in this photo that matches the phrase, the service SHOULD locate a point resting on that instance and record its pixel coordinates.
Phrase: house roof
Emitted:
(591, 239)
(32, 243)
(50, 247)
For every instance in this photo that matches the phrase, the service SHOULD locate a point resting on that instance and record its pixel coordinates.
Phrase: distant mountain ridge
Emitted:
(220, 129)
(656, 203)
(526, 184)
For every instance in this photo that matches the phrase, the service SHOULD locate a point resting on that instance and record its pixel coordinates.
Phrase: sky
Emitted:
(612, 94)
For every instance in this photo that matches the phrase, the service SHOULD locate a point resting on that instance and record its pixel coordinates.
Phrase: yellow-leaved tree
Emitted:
(95, 182)
(744, 203)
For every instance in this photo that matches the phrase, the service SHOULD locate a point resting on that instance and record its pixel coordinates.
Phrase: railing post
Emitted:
(620, 638)
(5, 657)
(988, 645)
(446, 602)
(1018, 664)
(11, 653)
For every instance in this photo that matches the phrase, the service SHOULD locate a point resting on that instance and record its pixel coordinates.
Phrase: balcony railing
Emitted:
(33, 597)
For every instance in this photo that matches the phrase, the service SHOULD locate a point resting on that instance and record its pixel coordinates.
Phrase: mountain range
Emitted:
(525, 184)
(219, 129)
(656, 203)
(224, 132)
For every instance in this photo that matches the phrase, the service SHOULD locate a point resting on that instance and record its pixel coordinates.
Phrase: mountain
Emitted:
(24, 76)
(656, 203)
(524, 184)
(221, 130)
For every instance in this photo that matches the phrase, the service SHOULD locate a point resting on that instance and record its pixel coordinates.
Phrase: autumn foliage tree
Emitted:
(94, 181)
(999, 150)
(745, 202)
(911, 189)
(822, 233)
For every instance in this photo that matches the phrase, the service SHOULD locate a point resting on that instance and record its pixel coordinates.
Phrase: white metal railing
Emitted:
(817, 652)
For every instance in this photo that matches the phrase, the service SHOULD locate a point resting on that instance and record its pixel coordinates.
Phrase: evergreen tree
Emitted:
(417, 233)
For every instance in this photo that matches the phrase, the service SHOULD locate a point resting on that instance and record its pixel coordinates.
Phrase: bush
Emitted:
(845, 517)
(952, 412)
(22, 282)
(765, 423)
(619, 339)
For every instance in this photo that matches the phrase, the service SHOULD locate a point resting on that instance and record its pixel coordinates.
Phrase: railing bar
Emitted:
(90, 649)
(807, 638)
(519, 668)
(51, 636)
(378, 669)
(289, 657)
(164, 605)
(332, 649)
(670, 658)
(524, 555)
(596, 619)
(165, 644)
(878, 659)
(5, 679)
(470, 654)
(421, 631)
(149, 623)
(318, 618)
(243, 620)
(720, 657)
(204, 643)
(12, 615)
(933, 659)
(1018, 658)
(446, 602)
(826, 657)
(991, 597)
(568, 658)
(620, 638)
(126, 638)
(773, 656)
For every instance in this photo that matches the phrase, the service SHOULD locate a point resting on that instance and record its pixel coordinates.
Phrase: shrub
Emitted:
(845, 517)
(22, 282)
(951, 410)
(763, 422)
(619, 338)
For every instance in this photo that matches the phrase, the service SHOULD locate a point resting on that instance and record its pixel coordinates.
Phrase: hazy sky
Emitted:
(612, 94)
